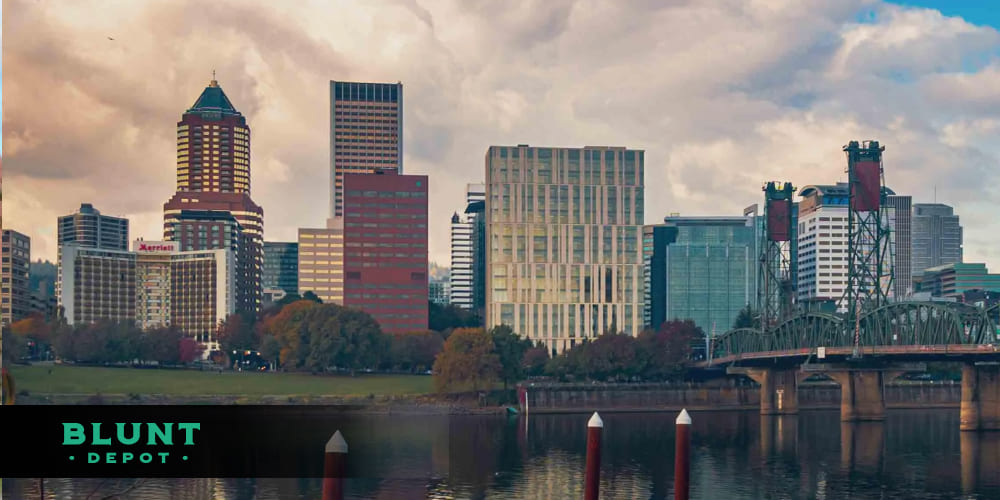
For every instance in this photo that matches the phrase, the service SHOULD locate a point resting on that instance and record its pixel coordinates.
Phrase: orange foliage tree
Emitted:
(467, 361)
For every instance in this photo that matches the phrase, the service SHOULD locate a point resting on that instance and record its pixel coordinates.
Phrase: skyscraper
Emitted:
(281, 266)
(366, 132)
(89, 229)
(463, 248)
(937, 237)
(15, 295)
(213, 185)
(321, 261)
(701, 268)
(901, 222)
(563, 242)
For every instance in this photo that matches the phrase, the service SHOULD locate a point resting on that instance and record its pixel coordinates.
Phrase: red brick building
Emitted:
(385, 248)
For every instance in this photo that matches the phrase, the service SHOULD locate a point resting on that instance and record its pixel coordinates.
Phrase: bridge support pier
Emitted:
(779, 388)
(980, 408)
(861, 396)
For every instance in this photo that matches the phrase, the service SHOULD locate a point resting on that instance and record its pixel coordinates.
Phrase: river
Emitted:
(914, 454)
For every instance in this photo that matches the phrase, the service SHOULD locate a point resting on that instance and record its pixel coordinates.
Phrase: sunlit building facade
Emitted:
(564, 242)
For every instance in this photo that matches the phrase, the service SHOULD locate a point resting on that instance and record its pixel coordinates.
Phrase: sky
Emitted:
(721, 95)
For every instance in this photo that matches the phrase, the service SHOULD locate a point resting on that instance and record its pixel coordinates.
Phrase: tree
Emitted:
(237, 333)
(534, 361)
(510, 349)
(189, 350)
(667, 351)
(467, 360)
(612, 356)
(746, 319)
(414, 351)
(14, 346)
(161, 344)
(446, 318)
(312, 296)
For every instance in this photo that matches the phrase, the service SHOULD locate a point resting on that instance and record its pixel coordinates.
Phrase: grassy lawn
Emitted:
(66, 379)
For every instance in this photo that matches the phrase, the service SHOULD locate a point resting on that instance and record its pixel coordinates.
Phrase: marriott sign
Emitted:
(155, 246)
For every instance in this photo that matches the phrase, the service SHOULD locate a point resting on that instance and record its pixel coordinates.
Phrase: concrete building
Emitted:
(955, 280)
(385, 248)
(937, 237)
(701, 268)
(563, 242)
(97, 284)
(321, 262)
(901, 222)
(213, 175)
(15, 294)
(366, 133)
(89, 229)
(464, 247)
(152, 282)
(281, 266)
(439, 292)
(822, 257)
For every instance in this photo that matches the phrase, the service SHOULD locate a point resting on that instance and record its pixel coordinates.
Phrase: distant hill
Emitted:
(438, 273)
(42, 277)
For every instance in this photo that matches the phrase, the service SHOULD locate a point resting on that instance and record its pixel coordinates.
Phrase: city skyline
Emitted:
(712, 127)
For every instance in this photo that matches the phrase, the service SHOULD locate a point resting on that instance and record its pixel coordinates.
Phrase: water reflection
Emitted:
(740, 455)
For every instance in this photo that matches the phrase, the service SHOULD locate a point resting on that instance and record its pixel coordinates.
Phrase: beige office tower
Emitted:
(321, 261)
(563, 240)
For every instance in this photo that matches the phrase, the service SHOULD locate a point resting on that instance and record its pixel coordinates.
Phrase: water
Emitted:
(914, 454)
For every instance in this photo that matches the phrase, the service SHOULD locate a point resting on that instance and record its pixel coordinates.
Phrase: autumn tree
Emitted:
(668, 350)
(534, 361)
(415, 350)
(612, 356)
(237, 333)
(468, 360)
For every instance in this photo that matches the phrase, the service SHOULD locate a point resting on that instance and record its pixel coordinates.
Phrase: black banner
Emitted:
(194, 441)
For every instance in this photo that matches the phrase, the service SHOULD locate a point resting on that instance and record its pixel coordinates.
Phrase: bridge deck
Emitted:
(908, 351)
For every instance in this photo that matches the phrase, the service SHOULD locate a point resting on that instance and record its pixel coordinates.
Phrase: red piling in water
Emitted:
(333, 467)
(592, 474)
(682, 457)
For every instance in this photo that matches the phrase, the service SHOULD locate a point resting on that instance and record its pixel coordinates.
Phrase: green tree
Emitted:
(746, 319)
(510, 349)
(319, 337)
(467, 360)
(446, 318)
(414, 351)
(534, 361)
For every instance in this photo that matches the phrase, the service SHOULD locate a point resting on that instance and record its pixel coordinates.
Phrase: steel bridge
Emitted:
(897, 328)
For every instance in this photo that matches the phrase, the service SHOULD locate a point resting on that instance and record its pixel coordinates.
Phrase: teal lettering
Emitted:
(164, 434)
(93, 458)
(110, 457)
(73, 433)
(146, 458)
(163, 456)
(135, 433)
(126, 456)
(97, 435)
(189, 429)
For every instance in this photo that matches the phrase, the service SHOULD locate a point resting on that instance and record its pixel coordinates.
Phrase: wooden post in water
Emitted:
(334, 463)
(682, 457)
(592, 473)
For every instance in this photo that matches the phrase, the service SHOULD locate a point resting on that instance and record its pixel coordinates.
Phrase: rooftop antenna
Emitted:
(935, 193)
(214, 83)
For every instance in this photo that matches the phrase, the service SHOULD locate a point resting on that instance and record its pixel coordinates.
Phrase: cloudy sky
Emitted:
(722, 95)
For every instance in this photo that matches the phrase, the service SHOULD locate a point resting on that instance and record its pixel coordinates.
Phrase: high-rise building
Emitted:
(901, 242)
(564, 242)
(281, 266)
(385, 248)
(463, 248)
(15, 294)
(152, 282)
(321, 261)
(439, 292)
(97, 284)
(954, 280)
(701, 268)
(822, 249)
(937, 237)
(213, 175)
(203, 223)
(366, 132)
(88, 228)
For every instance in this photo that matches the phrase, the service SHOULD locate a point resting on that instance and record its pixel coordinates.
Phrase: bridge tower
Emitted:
(775, 289)
(869, 253)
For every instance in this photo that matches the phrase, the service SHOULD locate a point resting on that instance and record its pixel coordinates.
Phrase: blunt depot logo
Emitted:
(132, 442)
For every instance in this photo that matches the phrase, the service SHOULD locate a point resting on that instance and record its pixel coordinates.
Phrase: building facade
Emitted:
(956, 279)
(901, 238)
(937, 237)
(15, 293)
(281, 266)
(321, 262)
(152, 282)
(89, 229)
(564, 242)
(439, 292)
(366, 132)
(703, 269)
(385, 248)
(97, 284)
(464, 269)
(213, 175)
(202, 293)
